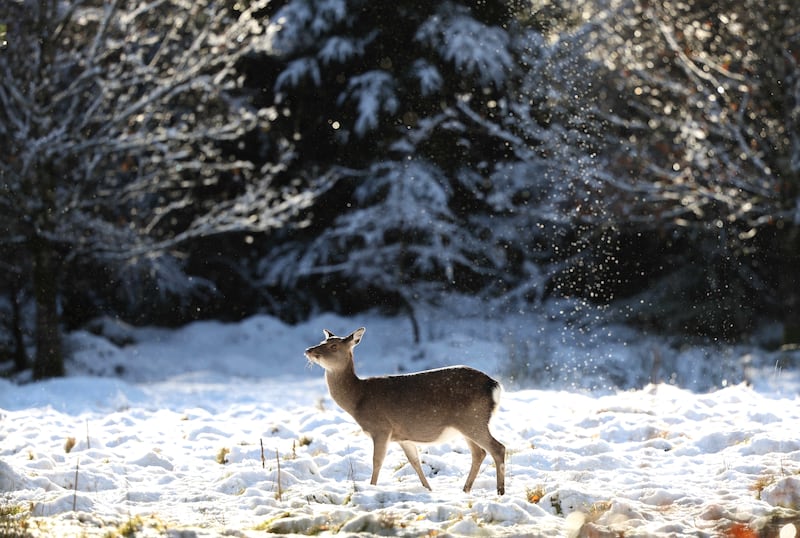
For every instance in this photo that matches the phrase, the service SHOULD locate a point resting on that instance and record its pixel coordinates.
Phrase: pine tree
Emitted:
(373, 94)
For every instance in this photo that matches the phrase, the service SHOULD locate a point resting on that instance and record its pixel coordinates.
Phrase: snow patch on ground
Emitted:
(224, 429)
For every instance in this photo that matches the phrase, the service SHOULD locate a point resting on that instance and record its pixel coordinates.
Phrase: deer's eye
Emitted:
(333, 347)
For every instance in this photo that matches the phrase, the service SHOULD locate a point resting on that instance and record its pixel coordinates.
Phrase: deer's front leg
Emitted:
(380, 443)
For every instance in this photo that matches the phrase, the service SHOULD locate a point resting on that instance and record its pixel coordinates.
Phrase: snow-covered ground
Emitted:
(226, 430)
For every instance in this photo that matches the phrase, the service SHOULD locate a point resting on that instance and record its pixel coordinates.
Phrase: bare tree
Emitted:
(706, 151)
(653, 140)
(115, 117)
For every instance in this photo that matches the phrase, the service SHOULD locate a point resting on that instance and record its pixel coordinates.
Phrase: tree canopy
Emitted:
(161, 161)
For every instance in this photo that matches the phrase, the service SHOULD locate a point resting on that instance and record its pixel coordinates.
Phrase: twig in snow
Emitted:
(351, 471)
(263, 460)
(75, 486)
(279, 495)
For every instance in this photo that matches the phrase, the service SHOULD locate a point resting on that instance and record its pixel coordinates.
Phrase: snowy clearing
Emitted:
(173, 446)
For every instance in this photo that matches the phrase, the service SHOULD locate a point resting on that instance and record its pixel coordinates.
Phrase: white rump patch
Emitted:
(496, 393)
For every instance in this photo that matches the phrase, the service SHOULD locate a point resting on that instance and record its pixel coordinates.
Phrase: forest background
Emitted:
(163, 161)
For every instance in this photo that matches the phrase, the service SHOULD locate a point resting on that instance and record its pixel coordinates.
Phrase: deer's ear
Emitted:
(328, 334)
(356, 336)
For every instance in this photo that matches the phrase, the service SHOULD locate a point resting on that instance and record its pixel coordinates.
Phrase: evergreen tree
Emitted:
(375, 94)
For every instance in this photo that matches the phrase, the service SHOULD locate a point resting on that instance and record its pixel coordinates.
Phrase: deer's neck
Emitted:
(345, 387)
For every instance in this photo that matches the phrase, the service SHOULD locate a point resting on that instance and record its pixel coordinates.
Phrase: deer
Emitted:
(425, 407)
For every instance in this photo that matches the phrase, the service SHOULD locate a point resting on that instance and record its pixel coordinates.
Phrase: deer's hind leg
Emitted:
(413, 458)
(477, 458)
(485, 442)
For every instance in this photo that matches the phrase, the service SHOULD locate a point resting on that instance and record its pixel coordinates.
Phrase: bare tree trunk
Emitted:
(20, 355)
(789, 287)
(49, 361)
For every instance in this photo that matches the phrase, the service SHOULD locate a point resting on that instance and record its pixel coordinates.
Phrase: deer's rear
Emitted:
(424, 407)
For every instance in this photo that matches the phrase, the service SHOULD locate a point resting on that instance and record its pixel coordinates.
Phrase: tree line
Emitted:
(163, 161)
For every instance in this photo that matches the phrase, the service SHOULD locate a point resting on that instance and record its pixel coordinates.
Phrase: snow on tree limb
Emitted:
(130, 105)
(472, 46)
(373, 93)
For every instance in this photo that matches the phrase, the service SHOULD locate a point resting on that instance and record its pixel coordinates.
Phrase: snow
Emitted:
(430, 79)
(167, 429)
(470, 45)
(373, 93)
(297, 71)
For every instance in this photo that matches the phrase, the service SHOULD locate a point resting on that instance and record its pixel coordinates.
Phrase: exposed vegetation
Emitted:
(14, 521)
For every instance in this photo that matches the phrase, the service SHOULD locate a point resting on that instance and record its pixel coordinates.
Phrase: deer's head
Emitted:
(335, 353)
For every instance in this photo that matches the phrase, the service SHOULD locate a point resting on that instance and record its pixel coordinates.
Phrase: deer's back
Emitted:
(425, 405)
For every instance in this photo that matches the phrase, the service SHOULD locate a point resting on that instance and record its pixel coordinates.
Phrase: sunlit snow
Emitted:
(173, 425)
